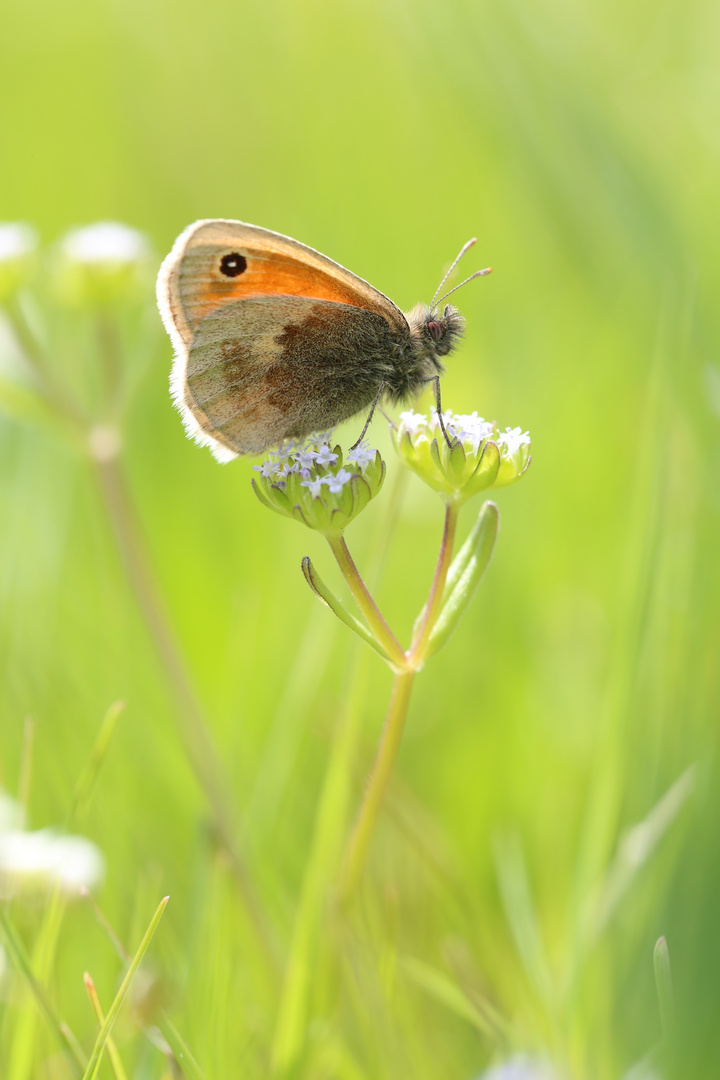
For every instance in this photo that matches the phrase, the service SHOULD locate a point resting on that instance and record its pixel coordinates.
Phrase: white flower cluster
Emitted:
(16, 240)
(105, 242)
(469, 428)
(36, 863)
(305, 457)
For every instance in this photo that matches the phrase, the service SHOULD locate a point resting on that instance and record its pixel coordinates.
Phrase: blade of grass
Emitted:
(94, 1063)
(112, 1050)
(21, 962)
(663, 982)
(85, 786)
(169, 1032)
(291, 1025)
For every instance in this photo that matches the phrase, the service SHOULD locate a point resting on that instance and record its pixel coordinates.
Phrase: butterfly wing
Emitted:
(235, 298)
(275, 367)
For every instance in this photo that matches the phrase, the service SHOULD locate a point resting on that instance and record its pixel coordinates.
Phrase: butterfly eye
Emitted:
(233, 264)
(435, 330)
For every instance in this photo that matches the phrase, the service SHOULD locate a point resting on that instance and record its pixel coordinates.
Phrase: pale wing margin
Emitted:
(181, 338)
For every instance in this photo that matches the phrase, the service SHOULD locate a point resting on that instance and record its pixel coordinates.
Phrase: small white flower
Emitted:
(285, 450)
(472, 428)
(511, 440)
(16, 240)
(105, 242)
(337, 482)
(289, 467)
(362, 455)
(314, 486)
(268, 468)
(37, 862)
(413, 422)
(306, 458)
(325, 456)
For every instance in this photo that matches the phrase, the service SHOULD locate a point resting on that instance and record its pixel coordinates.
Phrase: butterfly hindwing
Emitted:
(266, 368)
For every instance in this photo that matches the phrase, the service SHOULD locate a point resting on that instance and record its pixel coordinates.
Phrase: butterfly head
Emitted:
(435, 333)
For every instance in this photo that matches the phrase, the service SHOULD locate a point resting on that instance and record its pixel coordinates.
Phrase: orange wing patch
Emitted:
(204, 287)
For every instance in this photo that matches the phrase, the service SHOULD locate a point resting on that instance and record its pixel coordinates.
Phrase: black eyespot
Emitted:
(233, 264)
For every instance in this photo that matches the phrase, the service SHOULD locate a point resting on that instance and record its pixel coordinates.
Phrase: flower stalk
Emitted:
(325, 490)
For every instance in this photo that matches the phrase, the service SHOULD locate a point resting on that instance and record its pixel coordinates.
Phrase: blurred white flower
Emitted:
(16, 240)
(521, 1067)
(105, 242)
(33, 863)
(18, 244)
(103, 264)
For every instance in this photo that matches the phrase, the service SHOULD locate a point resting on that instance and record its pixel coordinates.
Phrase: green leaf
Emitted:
(324, 594)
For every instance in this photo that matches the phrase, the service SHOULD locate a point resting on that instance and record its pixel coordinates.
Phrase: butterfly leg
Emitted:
(370, 416)
(438, 409)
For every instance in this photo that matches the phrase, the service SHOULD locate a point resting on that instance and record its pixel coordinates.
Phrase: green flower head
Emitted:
(318, 486)
(479, 456)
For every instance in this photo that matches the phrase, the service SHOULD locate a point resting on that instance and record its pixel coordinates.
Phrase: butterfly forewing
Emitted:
(197, 282)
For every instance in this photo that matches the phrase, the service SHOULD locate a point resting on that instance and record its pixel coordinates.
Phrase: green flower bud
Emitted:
(103, 265)
(18, 245)
(313, 484)
(479, 456)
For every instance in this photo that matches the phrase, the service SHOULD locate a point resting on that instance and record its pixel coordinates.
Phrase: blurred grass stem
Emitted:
(191, 723)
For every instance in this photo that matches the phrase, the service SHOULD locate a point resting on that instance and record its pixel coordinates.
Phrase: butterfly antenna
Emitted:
(478, 273)
(456, 260)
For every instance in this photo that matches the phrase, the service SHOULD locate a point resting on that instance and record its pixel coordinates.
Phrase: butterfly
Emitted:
(274, 340)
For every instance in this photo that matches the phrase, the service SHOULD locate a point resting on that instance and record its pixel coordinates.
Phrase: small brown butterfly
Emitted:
(275, 341)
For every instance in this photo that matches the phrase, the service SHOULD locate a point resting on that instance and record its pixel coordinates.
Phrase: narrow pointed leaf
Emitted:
(324, 594)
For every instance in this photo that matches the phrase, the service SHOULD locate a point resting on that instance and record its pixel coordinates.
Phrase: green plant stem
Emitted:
(191, 722)
(377, 783)
(397, 711)
(365, 602)
(51, 390)
(437, 589)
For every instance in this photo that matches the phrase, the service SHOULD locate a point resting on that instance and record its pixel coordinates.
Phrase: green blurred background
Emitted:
(580, 144)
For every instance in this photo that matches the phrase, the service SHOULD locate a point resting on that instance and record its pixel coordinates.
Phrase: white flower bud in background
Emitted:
(18, 245)
(33, 864)
(103, 264)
